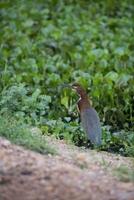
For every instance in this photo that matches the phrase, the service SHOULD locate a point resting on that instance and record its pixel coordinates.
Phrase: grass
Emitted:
(20, 134)
(123, 173)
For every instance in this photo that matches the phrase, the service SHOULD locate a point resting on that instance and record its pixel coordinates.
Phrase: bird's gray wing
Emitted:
(91, 125)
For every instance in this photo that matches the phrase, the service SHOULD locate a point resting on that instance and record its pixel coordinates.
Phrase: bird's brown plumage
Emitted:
(83, 102)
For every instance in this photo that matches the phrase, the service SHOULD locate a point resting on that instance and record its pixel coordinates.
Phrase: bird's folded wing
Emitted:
(91, 125)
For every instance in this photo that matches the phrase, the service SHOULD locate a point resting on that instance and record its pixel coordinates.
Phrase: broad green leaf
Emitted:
(113, 76)
(64, 101)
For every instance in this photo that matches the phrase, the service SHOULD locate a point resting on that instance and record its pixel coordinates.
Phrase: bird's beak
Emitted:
(66, 85)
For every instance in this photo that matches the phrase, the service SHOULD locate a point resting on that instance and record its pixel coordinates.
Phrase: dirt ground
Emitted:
(72, 174)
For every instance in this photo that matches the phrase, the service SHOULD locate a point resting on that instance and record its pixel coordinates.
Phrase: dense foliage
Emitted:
(47, 43)
(21, 134)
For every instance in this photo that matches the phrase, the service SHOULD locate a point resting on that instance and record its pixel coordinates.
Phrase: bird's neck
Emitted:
(83, 102)
(83, 95)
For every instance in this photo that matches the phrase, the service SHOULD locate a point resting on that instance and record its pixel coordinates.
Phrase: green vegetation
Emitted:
(47, 43)
(124, 174)
(21, 134)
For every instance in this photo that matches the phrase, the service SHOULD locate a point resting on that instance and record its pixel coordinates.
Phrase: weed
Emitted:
(20, 134)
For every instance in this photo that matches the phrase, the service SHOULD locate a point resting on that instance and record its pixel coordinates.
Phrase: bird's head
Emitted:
(77, 87)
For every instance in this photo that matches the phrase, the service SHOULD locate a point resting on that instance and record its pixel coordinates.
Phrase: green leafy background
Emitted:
(44, 44)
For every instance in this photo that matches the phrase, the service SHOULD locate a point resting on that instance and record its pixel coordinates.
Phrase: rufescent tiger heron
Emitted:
(89, 117)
